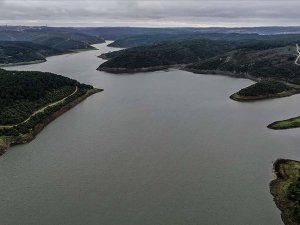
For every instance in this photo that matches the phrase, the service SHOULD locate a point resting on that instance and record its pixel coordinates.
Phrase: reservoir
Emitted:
(159, 148)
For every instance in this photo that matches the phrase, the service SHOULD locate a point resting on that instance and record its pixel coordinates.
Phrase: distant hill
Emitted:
(139, 40)
(260, 56)
(116, 33)
(62, 43)
(241, 39)
(34, 44)
(166, 53)
(61, 39)
(13, 52)
(14, 33)
(32, 33)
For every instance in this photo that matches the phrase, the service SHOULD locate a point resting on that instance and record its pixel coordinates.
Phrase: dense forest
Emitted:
(63, 43)
(167, 53)
(276, 63)
(22, 93)
(270, 56)
(266, 87)
(16, 52)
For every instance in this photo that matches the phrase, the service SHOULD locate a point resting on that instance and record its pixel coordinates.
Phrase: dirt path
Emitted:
(41, 110)
(298, 58)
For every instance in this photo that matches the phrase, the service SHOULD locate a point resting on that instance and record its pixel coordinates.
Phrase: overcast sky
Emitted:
(150, 13)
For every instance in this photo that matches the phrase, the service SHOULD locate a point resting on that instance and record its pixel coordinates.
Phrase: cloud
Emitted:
(150, 12)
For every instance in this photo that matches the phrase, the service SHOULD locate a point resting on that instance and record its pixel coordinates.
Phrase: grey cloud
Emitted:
(150, 13)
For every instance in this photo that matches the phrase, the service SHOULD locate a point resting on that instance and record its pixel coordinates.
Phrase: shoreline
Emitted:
(132, 71)
(179, 67)
(239, 98)
(283, 170)
(183, 67)
(223, 73)
(7, 142)
(121, 70)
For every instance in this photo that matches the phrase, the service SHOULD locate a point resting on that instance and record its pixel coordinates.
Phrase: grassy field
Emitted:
(285, 124)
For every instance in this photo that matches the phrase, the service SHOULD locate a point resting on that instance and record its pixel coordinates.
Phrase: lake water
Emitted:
(160, 148)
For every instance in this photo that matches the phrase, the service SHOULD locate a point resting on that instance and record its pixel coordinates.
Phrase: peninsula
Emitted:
(30, 45)
(285, 124)
(266, 89)
(31, 100)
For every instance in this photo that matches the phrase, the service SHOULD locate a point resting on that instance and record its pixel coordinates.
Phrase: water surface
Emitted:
(161, 148)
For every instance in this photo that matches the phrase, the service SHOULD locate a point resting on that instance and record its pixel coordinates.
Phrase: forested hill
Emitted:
(62, 43)
(166, 53)
(259, 57)
(66, 41)
(40, 33)
(276, 63)
(12, 52)
(44, 41)
(21, 93)
(139, 40)
(44, 45)
(29, 100)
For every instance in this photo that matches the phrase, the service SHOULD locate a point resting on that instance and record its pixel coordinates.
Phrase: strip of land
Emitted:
(285, 124)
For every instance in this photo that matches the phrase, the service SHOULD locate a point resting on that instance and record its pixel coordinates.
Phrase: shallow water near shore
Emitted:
(163, 148)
